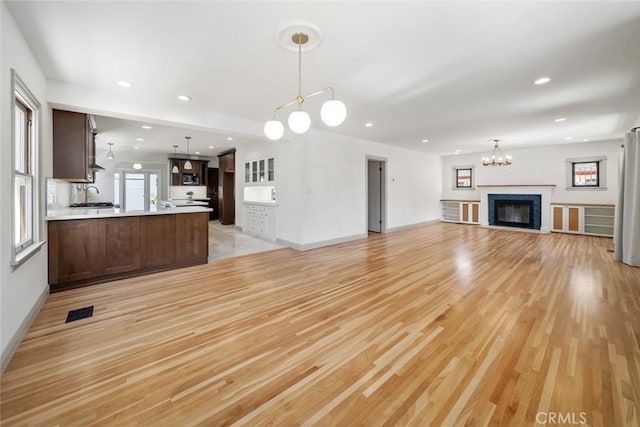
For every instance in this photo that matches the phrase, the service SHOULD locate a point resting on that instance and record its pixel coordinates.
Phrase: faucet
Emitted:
(86, 192)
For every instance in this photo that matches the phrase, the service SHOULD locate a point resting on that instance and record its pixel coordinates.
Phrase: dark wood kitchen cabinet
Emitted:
(197, 175)
(192, 236)
(73, 251)
(155, 233)
(90, 251)
(226, 187)
(73, 146)
(119, 244)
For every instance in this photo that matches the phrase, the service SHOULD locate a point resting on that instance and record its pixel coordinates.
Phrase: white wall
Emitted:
(20, 290)
(542, 165)
(321, 185)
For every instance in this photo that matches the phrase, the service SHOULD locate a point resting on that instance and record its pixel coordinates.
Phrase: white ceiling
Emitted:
(454, 73)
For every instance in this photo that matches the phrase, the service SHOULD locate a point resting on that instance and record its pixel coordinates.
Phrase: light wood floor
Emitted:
(440, 325)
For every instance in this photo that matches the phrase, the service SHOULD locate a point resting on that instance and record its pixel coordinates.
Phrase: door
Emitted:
(375, 195)
(139, 190)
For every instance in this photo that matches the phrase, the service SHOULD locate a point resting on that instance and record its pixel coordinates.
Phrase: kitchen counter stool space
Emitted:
(96, 250)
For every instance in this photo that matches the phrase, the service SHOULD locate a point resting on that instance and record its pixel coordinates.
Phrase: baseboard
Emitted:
(417, 224)
(322, 243)
(8, 352)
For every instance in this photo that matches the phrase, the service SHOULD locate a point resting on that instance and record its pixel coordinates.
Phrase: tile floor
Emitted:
(226, 241)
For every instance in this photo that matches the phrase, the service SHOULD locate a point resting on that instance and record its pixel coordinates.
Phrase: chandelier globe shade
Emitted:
(299, 121)
(274, 129)
(333, 112)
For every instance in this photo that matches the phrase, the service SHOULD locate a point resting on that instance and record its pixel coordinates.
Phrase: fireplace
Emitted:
(513, 213)
(515, 210)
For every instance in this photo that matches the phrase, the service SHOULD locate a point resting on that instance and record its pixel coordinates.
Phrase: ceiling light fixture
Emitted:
(211, 147)
(110, 155)
(146, 127)
(229, 138)
(368, 125)
(332, 112)
(187, 164)
(139, 139)
(184, 98)
(425, 140)
(137, 166)
(124, 84)
(175, 165)
(568, 138)
(560, 119)
(542, 80)
(497, 158)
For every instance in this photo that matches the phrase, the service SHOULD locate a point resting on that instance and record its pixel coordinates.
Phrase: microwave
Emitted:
(190, 179)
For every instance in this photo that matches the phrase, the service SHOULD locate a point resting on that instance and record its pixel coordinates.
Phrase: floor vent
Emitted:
(79, 313)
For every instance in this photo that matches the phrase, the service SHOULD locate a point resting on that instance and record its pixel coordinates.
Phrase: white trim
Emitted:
(322, 243)
(17, 337)
(417, 224)
(21, 91)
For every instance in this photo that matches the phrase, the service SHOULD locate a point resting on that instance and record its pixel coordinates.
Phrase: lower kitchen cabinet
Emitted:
(73, 251)
(260, 220)
(192, 237)
(90, 251)
(119, 244)
(155, 231)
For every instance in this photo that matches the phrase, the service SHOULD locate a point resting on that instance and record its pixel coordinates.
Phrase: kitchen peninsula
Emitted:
(90, 246)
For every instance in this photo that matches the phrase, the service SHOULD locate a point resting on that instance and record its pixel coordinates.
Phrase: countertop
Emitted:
(83, 213)
(185, 203)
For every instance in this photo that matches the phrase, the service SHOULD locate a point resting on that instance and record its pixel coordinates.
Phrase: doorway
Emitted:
(376, 195)
(136, 190)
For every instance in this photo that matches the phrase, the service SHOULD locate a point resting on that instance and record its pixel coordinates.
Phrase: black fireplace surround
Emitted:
(515, 210)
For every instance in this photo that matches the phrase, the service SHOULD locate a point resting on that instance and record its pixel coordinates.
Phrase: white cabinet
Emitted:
(262, 170)
(464, 211)
(566, 218)
(594, 220)
(260, 220)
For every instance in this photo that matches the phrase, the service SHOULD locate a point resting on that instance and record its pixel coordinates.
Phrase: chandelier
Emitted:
(497, 158)
(333, 112)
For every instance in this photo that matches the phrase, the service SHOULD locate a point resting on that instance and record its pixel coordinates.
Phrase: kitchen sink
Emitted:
(94, 205)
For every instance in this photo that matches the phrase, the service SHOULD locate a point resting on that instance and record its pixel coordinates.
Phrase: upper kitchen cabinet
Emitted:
(197, 175)
(73, 146)
(262, 170)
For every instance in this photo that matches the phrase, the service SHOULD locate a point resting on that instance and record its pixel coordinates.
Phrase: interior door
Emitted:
(374, 180)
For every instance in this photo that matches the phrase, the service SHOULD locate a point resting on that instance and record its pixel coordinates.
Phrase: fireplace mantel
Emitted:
(544, 190)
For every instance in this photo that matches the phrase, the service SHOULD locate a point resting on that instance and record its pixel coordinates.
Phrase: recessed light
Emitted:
(197, 152)
(211, 146)
(425, 140)
(139, 139)
(568, 138)
(135, 147)
(124, 84)
(542, 80)
(560, 119)
(368, 125)
(457, 151)
(146, 127)
(585, 140)
(229, 138)
(184, 98)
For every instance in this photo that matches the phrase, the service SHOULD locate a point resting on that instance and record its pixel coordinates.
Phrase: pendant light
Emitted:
(175, 165)
(332, 113)
(110, 155)
(187, 164)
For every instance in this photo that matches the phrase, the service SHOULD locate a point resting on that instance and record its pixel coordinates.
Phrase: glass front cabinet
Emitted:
(262, 170)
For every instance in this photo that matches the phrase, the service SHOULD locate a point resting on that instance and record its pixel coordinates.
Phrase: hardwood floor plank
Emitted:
(439, 325)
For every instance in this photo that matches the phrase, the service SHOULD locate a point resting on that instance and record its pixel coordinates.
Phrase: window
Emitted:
(25, 170)
(586, 174)
(463, 177)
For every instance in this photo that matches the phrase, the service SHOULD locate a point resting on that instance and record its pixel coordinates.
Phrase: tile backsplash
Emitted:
(180, 191)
